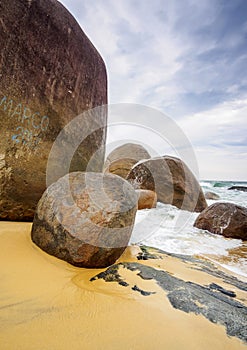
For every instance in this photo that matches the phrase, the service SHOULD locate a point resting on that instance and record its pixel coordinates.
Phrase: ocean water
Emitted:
(171, 229)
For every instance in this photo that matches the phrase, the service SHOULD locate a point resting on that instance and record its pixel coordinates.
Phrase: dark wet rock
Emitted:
(142, 256)
(49, 73)
(145, 254)
(111, 275)
(172, 180)
(121, 160)
(86, 219)
(196, 264)
(146, 199)
(215, 286)
(212, 195)
(234, 281)
(227, 219)
(191, 297)
(123, 283)
(143, 292)
(238, 188)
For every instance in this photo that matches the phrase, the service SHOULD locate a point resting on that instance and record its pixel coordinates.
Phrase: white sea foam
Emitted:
(232, 196)
(238, 268)
(171, 229)
(206, 184)
(161, 230)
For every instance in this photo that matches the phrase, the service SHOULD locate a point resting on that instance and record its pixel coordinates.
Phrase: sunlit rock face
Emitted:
(49, 73)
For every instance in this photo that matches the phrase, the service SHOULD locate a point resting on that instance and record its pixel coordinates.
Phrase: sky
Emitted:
(185, 58)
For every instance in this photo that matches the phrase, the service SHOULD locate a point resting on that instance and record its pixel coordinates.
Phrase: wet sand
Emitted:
(235, 261)
(48, 304)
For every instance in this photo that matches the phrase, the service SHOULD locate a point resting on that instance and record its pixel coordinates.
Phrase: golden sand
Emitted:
(47, 304)
(189, 272)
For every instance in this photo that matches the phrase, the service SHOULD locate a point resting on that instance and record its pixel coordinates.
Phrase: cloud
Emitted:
(163, 54)
(219, 139)
(186, 58)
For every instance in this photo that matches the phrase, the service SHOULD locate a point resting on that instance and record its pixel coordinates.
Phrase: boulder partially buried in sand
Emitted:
(121, 160)
(49, 73)
(172, 180)
(227, 219)
(86, 219)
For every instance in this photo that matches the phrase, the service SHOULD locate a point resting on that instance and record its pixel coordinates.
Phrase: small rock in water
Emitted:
(212, 195)
(146, 199)
(86, 219)
(227, 219)
(238, 188)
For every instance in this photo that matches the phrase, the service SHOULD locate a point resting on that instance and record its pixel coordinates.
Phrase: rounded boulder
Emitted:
(121, 160)
(226, 219)
(146, 199)
(86, 219)
(172, 180)
(212, 195)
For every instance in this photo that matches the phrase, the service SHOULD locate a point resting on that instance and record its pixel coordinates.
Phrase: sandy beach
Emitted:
(123, 124)
(48, 304)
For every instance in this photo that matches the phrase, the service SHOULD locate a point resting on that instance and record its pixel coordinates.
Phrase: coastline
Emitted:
(49, 304)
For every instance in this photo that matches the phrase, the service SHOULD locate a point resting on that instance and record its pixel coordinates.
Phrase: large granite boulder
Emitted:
(86, 219)
(227, 219)
(121, 160)
(49, 73)
(211, 195)
(172, 180)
